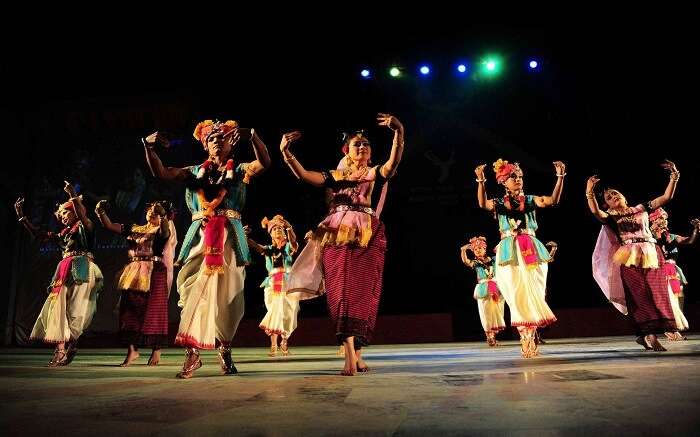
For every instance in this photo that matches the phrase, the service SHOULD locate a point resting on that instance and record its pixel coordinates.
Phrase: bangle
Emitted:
(590, 195)
(561, 175)
(289, 158)
(23, 218)
(481, 180)
(675, 175)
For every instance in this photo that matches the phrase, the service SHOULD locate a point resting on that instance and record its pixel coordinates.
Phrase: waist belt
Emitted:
(78, 253)
(516, 232)
(146, 258)
(228, 213)
(358, 208)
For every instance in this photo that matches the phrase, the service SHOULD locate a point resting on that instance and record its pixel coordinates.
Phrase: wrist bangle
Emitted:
(481, 180)
(289, 158)
(23, 218)
(590, 195)
(561, 175)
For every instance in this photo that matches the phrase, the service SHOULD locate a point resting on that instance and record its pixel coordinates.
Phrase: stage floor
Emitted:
(579, 386)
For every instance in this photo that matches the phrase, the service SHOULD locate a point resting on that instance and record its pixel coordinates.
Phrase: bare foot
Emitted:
(362, 367)
(131, 356)
(640, 341)
(653, 342)
(154, 359)
(350, 358)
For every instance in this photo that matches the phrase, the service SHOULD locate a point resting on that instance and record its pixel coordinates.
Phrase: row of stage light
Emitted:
(488, 66)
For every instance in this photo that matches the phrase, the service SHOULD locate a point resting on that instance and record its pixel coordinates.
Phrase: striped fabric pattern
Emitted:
(648, 303)
(353, 279)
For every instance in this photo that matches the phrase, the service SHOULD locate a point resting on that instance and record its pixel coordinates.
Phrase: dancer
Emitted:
(143, 283)
(214, 251)
(489, 300)
(521, 259)
(75, 286)
(345, 256)
(282, 308)
(658, 223)
(628, 265)
(490, 303)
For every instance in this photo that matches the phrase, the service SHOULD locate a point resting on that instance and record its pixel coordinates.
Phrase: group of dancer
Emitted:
(634, 261)
(216, 249)
(343, 257)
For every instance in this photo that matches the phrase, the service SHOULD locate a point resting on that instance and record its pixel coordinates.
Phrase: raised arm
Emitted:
(390, 166)
(158, 170)
(693, 235)
(481, 196)
(262, 156)
(314, 178)
(78, 206)
(255, 246)
(252, 243)
(547, 201)
(670, 188)
(292, 238)
(592, 201)
(552, 246)
(465, 257)
(33, 230)
(104, 219)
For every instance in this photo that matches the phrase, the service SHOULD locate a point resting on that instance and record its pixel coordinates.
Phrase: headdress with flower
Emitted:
(505, 169)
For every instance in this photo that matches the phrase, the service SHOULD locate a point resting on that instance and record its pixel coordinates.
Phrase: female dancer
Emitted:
(143, 283)
(74, 289)
(658, 223)
(521, 259)
(282, 308)
(628, 265)
(345, 256)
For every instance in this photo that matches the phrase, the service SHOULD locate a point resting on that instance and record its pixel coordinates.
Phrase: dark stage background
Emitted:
(611, 102)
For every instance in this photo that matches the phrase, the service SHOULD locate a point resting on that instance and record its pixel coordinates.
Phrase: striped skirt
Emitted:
(648, 303)
(143, 317)
(353, 280)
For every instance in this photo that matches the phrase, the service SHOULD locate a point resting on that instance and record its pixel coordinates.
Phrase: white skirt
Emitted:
(67, 314)
(523, 288)
(282, 311)
(212, 304)
(491, 314)
(681, 321)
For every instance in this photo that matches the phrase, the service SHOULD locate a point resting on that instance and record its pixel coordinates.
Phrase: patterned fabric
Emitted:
(143, 317)
(648, 303)
(517, 222)
(353, 281)
(638, 244)
(235, 199)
